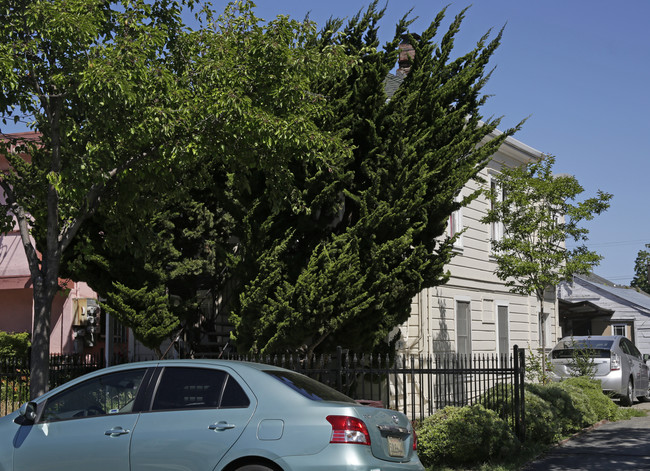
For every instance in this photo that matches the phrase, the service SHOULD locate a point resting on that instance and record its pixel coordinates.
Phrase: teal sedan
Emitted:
(203, 415)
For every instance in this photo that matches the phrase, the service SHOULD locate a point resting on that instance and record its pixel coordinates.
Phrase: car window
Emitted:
(625, 346)
(197, 388)
(234, 395)
(596, 344)
(310, 388)
(572, 352)
(629, 348)
(113, 393)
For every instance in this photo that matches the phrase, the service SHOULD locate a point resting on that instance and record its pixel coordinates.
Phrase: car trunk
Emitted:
(564, 361)
(391, 437)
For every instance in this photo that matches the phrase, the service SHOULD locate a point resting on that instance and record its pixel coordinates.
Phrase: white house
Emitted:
(590, 305)
(475, 312)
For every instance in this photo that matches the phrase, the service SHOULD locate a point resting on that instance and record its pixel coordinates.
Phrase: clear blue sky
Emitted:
(580, 70)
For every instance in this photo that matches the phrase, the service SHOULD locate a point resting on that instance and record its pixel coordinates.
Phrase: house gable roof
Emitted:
(627, 295)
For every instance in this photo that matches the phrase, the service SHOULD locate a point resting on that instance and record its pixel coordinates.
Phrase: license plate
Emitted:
(395, 447)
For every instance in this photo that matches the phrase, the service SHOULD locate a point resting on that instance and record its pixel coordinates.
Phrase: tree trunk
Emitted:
(45, 284)
(40, 356)
(542, 326)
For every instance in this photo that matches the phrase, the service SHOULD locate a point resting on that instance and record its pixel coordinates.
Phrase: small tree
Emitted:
(641, 278)
(582, 361)
(539, 212)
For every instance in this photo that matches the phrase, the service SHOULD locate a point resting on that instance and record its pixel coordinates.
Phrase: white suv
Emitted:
(616, 362)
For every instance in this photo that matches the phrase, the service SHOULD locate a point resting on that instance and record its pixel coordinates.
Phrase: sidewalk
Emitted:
(613, 446)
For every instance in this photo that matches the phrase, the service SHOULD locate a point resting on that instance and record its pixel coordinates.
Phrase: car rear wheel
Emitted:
(627, 400)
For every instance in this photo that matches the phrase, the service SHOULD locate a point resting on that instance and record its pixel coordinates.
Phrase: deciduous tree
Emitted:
(540, 212)
(95, 80)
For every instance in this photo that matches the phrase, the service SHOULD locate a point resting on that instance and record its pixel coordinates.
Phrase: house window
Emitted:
(463, 328)
(503, 331)
(496, 228)
(456, 225)
(119, 331)
(619, 329)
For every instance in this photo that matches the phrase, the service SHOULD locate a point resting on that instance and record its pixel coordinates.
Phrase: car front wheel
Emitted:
(627, 400)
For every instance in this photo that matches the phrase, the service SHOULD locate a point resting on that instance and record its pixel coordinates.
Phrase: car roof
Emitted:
(236, 364)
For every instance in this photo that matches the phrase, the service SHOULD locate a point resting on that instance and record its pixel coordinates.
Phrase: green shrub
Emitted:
(576, 403)
(464, 435)
(540, 417)
(543, 423)
(569, 417)
(600, 406)
(14, 345)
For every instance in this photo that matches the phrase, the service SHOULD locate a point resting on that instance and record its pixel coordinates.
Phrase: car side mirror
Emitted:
(646, 357)
(28, 411)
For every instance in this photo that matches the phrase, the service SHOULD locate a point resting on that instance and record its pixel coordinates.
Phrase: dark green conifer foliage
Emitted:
(641, 278)
(345, 270)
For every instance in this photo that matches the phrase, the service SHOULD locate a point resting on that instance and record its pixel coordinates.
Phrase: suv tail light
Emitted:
(348, 430)
(615, 362)
(415, 440)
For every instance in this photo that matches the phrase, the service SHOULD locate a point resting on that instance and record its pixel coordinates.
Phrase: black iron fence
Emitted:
(416, 385)
(419, 385)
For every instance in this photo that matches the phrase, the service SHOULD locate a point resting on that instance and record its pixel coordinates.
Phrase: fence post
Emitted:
(519, 372)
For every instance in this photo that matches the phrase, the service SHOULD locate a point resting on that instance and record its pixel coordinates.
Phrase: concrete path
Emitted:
(613, 446)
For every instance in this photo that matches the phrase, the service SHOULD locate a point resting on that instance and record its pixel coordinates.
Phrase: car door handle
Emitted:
(116, 432)
(223, 425)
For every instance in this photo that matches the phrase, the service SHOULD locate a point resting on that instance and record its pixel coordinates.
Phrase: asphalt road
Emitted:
(613, 446)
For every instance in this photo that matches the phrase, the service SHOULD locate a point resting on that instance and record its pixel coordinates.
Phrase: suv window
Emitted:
(197, 388)
(112, 393)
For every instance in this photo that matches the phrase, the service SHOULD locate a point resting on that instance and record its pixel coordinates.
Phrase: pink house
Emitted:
(16, 300)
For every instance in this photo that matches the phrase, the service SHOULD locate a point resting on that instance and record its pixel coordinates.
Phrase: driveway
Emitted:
(613, 446)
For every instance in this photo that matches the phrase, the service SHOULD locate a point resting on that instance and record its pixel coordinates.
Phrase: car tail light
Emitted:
(348, 430)
(415, 441)
(615, 362)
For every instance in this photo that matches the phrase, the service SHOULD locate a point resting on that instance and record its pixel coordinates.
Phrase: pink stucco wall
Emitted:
(16, 297)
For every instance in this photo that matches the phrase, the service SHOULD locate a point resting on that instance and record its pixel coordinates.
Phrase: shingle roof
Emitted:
(392, 83)
(639, 298)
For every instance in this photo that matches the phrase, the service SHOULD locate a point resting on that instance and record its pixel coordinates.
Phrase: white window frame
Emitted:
(464, 300)
(497, 323)
(456, 224)
(624, 326)
(496, 228)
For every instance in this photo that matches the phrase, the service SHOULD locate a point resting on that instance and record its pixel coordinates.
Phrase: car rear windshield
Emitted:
(586, 343)
(570, 352)
(596, 348)
(310, 388)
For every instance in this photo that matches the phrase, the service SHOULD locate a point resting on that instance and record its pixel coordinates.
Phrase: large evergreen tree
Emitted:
(344, 269)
